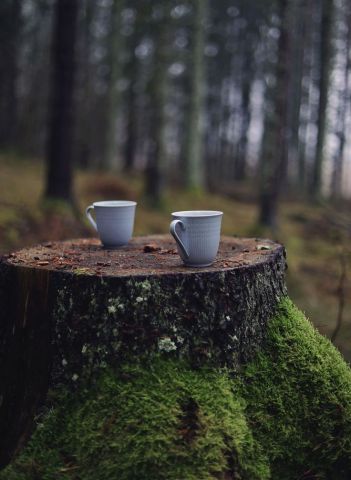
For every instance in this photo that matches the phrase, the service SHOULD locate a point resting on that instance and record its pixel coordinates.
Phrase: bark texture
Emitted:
(324, 80)
(274, 155)
(61, 124)
(158, 86)
(192, 166)
(70, 308)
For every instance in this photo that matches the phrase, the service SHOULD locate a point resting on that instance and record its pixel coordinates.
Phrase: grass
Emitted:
(286, 415)
(313, 244)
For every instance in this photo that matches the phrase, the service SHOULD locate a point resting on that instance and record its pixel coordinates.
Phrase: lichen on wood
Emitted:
(150, 300)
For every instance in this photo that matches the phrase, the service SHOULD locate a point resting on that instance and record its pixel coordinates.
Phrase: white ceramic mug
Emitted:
(114, 221)
(197, 233)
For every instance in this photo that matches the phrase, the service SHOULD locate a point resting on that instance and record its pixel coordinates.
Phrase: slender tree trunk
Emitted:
(226, 111)
(131, 140)
(212, 141)
(344, 105)
(308, 111)
(60, 140)
(131, 115)
(10, 14)
(86, 127)
(324, 73)
(193, 174)
(108, 159)
(247, 79)
(155, 168)
(296, 75)
(304, 111)
(274, 166)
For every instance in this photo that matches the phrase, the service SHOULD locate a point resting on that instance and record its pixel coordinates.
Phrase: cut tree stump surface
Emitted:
(70, 308)
(145, 256)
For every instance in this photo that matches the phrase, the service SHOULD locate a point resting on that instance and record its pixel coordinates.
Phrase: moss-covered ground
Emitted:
(286, 415)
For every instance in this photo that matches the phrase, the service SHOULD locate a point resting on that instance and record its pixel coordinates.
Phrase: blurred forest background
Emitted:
(241, 105)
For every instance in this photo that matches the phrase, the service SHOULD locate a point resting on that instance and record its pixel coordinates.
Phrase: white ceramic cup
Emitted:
(114, 221)
(197, 233)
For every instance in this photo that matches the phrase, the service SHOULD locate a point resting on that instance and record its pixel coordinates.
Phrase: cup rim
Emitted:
(197, 213)
(115, 203)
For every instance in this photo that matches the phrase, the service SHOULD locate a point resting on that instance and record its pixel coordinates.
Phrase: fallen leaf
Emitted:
(151, 247)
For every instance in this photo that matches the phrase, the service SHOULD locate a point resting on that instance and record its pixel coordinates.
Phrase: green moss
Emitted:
(158, 421)
(286, 416)
(298, 396)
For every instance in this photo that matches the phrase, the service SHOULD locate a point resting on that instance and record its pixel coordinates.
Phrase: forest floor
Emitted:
(317, 238)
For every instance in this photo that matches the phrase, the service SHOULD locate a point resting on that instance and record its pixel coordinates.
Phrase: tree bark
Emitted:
(70, 308)
(87, 151)
(108, 158)
(309, 32)
(324, 73)
(296, 70)
(60, 139)
(274, 160)
(131, 115)
(156, 152)
(240, 167)
(343, 107)
(249, 43)
(131, 121)
(10, 13)
(193, 174)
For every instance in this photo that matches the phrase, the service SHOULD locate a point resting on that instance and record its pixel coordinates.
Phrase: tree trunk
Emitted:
(193, 175)
(344, 105)
(86, 124)
(324, 73)
(108, 158)
(156, 152)
(298, 44)
(131, 115)
(240, 167)
(70, 308)
(305, 117)
(131, 140)
(10, 13)
(60, 139)
(274, 160)
(249, 39)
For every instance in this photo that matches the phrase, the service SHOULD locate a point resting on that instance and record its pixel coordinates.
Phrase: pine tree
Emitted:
(193, 174)
(60, 140)
(324, 74)
(274, 158)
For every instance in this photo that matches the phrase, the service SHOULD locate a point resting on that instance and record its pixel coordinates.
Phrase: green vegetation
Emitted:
(157, 421)
(287, 415)
(298, 401)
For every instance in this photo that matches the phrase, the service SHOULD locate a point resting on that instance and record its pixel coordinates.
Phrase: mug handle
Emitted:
(173, 232)
(90, 218)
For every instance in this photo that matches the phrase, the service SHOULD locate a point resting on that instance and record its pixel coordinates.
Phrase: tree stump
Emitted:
(70, 308)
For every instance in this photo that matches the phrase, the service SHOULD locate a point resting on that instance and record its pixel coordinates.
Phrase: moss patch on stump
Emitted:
(286, 415)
